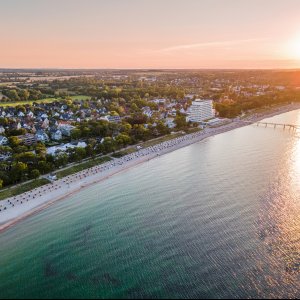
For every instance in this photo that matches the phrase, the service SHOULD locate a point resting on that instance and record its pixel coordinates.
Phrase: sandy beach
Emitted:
(14, 209)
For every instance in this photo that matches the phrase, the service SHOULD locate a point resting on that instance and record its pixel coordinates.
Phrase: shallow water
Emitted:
(217, 219)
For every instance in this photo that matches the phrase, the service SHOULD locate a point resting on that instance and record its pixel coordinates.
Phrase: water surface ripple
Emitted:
(217, 219)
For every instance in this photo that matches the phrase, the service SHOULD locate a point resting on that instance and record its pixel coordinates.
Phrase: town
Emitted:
(50, 119)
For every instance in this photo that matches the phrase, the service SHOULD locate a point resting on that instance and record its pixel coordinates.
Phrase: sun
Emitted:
(293, 48)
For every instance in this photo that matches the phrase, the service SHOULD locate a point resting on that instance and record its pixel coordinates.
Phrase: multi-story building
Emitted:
(27, 139)
(201, 110)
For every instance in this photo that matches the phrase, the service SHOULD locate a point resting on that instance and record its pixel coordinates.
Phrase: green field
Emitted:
(147, 144)
(154, 142)
(17, 190)
(161, 140)
(125, 152)
(82, 166)
(46, 100)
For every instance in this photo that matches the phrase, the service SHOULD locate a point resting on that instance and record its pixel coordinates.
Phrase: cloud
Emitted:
(209, 44)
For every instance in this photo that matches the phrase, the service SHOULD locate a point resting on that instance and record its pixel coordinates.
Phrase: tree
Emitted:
(14, 141)
(90, 148)
(21, 108)
(180, 121)
(162, 128)
(41, 149)
(123, 140)
(77, 154)
(35, 174)
(18, 171)
(20, 149)
(12, 95)
(45, 167)
(76, 134)
(5, 150)
(3, 121)
(140, 132)
(126, 128)
(108, 145)
(24, 94)
(86, 132)
(26, 157)
(1, 183)
(61, 160)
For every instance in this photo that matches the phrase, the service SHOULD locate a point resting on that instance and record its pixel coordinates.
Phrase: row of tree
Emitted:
(244, 104)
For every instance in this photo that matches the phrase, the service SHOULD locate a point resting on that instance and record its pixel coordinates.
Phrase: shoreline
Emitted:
(18, 208)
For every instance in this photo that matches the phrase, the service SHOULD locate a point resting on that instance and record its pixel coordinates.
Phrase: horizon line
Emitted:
(132, 69)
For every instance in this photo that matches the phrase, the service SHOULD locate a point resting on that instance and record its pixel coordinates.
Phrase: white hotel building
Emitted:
(201, 110)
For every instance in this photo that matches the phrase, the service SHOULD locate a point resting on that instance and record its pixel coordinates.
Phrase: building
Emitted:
(52, 177)
(3, 140)
(27, 139)
(55, 150)
(66, 129)
(114, 119)
(56, 135)
(170, 123)
(201, 110)
(111, 119)
(42, 136)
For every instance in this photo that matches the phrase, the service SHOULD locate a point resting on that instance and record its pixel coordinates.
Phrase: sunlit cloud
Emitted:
(211, 44)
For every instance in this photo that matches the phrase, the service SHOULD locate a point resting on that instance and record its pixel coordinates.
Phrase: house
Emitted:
(170, 123)
(5, 157)
(17, 126)
(27, 139)
(66, 116)
(44, 116)
(148, 112)
(114, 119)
(45, 124)
(173, 112)
(2, 129)
(66, 129)
(30, 114)
(3, 140)
(63, 148)
(41, 136)
(52, 177)
(56, 135)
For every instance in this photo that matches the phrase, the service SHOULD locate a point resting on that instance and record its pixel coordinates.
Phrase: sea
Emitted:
(217, 219)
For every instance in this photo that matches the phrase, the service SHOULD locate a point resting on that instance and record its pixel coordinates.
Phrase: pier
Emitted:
(278, 125)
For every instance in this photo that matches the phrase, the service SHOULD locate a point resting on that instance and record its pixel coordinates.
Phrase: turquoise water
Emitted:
(217, 219)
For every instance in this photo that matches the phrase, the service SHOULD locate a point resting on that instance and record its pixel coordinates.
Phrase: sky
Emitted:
(169, 34)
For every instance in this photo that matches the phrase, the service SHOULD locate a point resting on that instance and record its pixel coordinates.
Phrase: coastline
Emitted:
(16, 209)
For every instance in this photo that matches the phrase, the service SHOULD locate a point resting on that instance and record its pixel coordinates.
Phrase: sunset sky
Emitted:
(150, 34)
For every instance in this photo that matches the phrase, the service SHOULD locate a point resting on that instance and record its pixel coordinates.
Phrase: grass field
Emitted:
(147, 144)
(47, 100)
(82, 166)
(125, 152)
(154, 142)
(6, 83)
(17, 190)
(161, 140)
